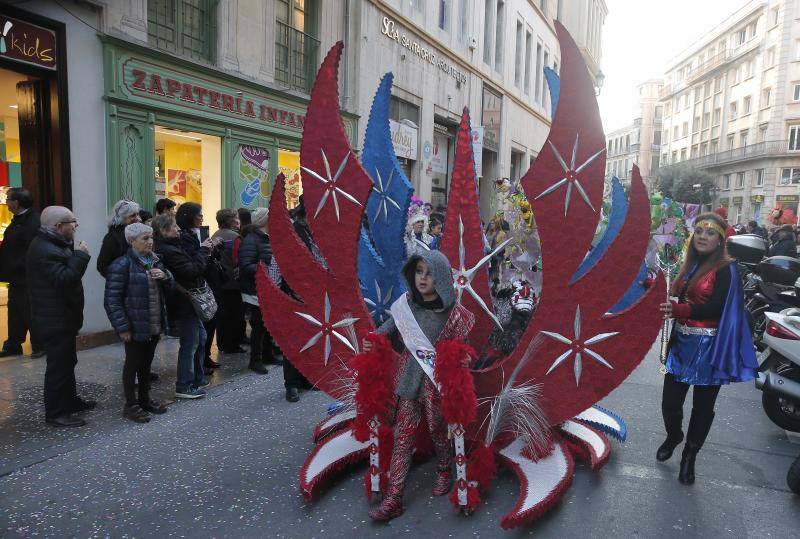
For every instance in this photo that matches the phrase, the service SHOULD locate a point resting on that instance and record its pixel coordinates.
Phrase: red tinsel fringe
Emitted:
(374, 384)
(459, 403)
(482, 466)
(473, 499)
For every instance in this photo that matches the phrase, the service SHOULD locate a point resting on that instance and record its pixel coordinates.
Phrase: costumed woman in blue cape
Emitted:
(711, 344)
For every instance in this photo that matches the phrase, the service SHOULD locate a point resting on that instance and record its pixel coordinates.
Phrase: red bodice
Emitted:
(699, 293)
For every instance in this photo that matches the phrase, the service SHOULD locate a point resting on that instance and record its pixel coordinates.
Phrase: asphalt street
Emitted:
(227, 466)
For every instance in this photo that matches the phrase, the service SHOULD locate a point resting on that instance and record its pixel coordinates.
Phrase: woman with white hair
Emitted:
(136, 284)
(124, 213)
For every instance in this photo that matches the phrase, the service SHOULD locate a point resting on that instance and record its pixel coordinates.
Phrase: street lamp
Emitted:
(599, 80)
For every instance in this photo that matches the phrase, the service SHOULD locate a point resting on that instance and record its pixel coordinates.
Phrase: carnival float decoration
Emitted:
(381, 249)
(534, 410)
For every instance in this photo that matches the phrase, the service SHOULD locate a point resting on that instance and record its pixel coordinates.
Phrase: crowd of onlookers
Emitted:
(164, 275)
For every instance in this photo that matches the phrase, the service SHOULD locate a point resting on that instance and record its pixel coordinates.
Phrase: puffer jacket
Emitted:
(127, 299)
(187, 269)
(16, 240)
(114, 246)
(255, 248)
(54, 273)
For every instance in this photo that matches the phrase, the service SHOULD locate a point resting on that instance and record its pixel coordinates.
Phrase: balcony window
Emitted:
(766, 97)
(746, 105)
(296, 44)
(726, 182)
(685, 131)
(740, 37)
(743, 139)
(444, 14)
(717, 115)
(794, 137)
(759, 177)
(183, 27)
(740, 180)
(796, 93)
(733, 111)
(770, 57)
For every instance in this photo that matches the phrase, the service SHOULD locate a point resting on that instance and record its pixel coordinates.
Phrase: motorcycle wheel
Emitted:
(793, 476)
(782, 412)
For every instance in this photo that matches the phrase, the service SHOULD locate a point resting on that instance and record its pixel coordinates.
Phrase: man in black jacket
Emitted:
(16, 240)
(55, 267)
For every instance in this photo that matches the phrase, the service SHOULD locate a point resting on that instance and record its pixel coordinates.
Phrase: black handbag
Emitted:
(202, 300)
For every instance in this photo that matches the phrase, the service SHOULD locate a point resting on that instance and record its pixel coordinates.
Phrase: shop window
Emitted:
(10, 162)
(296, 43)
(185, 27)
(189, 169)
(289, 166)
(251, 178)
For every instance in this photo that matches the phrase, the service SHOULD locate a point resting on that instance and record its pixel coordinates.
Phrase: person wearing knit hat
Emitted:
(114, 244)
(259, 217)
(255, 248)
(135, 303)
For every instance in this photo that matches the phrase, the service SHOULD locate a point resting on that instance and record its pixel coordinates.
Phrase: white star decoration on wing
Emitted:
(462, 276)
(579, 347)
(330, 185)
(384, 198)
(383, 302)
(327, 329)
(570, 175)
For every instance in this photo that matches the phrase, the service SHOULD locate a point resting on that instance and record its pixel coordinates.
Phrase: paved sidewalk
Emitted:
(227, 466)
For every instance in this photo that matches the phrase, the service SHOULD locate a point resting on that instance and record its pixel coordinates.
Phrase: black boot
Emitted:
(672, 424)
(257, 366)
(699, 426)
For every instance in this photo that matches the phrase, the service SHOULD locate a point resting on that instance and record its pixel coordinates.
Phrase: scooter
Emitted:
(779, 369)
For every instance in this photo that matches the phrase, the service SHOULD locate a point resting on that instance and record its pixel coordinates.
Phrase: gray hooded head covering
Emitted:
(440, 270)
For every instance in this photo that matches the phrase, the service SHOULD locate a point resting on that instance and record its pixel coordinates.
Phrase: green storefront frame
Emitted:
(146, 88)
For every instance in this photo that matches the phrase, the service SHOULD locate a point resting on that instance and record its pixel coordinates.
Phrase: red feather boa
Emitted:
(374, 384)
(482, 467)
(459, 403)
(473, 499)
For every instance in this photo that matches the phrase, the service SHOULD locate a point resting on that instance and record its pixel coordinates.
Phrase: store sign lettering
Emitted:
(191, 94)
(390, 29)
(24, 42)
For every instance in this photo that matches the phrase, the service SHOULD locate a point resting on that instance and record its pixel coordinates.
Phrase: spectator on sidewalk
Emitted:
(55, 266)
(135, 304)
(187, 265)
(16, 240)
(783, 242)
(114, 245)
(145, 217)
(245, 219)
(165, 206)
(230, 305)
(255, 248)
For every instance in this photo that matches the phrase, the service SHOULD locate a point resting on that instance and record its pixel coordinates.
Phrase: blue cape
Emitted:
(733, 355)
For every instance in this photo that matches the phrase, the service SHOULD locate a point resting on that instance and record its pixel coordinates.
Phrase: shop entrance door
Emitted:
(25, 156)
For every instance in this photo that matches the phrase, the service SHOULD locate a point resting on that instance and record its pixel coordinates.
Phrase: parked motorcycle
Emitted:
(779, 370)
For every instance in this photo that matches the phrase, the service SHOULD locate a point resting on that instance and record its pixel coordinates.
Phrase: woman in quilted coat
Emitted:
(135, 304)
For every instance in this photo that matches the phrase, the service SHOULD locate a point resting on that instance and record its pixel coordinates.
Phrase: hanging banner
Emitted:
(439, 154)
(404, 139)
(477, 149)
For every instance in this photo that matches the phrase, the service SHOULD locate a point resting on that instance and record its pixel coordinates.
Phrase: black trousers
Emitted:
(211, 328)
(703, 400)
(260, 340)
(138, 358)
(231, 315)
(60, 392)
(291, 376)
(19, 320)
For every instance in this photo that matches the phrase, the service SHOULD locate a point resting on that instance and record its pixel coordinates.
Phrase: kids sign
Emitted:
(22, 41)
